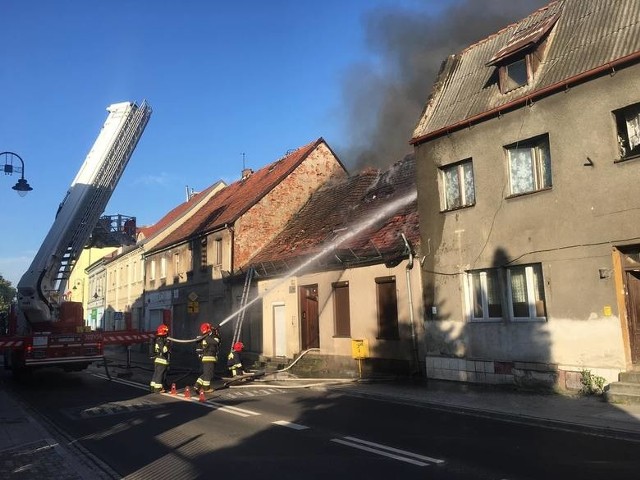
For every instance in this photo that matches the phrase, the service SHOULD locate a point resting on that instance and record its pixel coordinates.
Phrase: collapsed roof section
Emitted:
(350, 222)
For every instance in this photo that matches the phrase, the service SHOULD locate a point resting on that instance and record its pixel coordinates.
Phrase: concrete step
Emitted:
(625, 387)
(624, 398)
(632, 376)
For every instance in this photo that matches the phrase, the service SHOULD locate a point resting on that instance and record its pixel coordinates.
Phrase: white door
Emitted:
(279, 332)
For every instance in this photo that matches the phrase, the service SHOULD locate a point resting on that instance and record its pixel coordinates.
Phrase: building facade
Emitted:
(526, 157)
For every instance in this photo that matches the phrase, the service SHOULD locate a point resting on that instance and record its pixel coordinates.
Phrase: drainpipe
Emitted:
(414, 343)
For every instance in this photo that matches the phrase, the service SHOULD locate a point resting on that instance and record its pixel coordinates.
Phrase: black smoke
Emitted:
(384, 101)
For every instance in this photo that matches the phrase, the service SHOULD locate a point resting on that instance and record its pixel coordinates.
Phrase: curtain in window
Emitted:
(452, 188)
(632, 119)
(476, 287)
(519, 297)
(521, 170)
(493, 294)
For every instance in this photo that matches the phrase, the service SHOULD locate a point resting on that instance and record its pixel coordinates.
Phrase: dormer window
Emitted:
(519, 59)
(514, 75)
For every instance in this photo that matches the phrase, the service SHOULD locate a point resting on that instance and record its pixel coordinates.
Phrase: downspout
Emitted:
(414, 342)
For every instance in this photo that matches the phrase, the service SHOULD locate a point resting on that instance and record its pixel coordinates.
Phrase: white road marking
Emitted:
(286, 423)
(194, 398)
(397, 454)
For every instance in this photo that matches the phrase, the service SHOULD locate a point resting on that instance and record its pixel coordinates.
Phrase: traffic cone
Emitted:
(173, 389)
(187, 392)
(202, 397)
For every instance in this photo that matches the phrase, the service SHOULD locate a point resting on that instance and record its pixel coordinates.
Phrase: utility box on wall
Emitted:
(359, 349)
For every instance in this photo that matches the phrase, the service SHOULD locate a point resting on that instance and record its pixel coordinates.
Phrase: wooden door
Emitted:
(309, 322)
(633, 314)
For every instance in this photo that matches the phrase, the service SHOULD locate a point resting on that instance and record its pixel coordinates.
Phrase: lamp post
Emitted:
(21, 186)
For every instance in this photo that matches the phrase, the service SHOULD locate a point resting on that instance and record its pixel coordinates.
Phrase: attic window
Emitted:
(519, 59)
(514, 75)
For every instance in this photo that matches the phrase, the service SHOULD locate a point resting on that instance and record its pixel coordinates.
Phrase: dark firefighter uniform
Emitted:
(207, 349)
(234, 362)
(161, 350)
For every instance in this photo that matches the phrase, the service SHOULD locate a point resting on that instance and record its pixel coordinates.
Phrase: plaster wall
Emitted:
(569, 229)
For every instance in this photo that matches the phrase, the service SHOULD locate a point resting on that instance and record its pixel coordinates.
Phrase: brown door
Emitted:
(633, 310)
(309, 323)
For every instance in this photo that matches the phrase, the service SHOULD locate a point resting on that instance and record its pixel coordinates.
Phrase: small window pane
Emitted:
(529, 165)
(494, 301)
(519, 295)
(458, 185)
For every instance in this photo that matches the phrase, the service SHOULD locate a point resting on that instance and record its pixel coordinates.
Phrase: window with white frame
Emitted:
(217, 253)
(152, 270)
(515, 293)
(163, 267)
(628, 129)
(529, 165)
(457, 184)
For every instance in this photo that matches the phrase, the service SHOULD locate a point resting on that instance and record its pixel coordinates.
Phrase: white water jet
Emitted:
(383, 213)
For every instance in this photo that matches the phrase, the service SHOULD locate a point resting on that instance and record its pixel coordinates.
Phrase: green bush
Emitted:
(591, 384)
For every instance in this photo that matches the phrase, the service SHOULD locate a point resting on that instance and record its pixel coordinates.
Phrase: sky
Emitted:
(231, 84)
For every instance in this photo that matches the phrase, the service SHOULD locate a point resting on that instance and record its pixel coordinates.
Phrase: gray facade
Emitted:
(530, 258)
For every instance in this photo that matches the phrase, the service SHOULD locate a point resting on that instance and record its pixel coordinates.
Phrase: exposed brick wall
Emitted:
(269, 216)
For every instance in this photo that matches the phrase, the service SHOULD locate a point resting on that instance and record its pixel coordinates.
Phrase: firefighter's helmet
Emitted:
(162, 330)
(238, 346)
(205, 328)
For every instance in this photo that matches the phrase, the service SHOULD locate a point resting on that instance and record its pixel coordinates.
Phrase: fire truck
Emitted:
(44, 330)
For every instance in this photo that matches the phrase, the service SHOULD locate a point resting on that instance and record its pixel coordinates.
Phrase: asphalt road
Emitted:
(283, 433)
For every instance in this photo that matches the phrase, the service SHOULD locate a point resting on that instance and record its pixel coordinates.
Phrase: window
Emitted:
(203, 253)
(628, 127)
(152, 270)
(485, 295)
(176, 265)
(341, 309)
(218, 251)
(387, 308)
(529, 165)
(458, 189)
(513, 292)
(514, 74)
(163, 267)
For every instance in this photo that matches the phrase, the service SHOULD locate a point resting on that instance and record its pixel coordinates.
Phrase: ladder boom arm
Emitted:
(40, 289)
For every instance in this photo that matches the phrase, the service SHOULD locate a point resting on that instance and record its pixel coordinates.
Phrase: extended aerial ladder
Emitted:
(46, 329)
(41, 288)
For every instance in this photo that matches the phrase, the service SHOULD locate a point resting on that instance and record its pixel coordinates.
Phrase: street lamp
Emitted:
(21, 186)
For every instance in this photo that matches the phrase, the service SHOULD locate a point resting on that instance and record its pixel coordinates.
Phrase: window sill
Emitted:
(524, 194)
(529, 320)
(462, 207)
(486, 320)
(627, 158)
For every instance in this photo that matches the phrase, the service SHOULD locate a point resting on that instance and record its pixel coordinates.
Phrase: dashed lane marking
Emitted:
(286, 423)
(241, 412)
(386, 451)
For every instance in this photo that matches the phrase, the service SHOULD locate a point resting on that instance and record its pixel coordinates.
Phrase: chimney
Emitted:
(246, 173)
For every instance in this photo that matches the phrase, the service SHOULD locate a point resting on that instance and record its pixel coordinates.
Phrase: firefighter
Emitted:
(207, 350)
(161, 349)
(234, 363)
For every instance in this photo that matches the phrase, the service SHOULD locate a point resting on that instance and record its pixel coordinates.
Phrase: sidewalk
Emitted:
(28, 449)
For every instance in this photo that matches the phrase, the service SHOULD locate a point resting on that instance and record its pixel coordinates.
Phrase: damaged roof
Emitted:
(352, 221)
(226, 206)
(584, 36)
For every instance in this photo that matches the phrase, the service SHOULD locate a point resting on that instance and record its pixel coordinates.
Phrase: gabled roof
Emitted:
(332, 222)
(226, 206)
(176, 213)
(586, 38)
